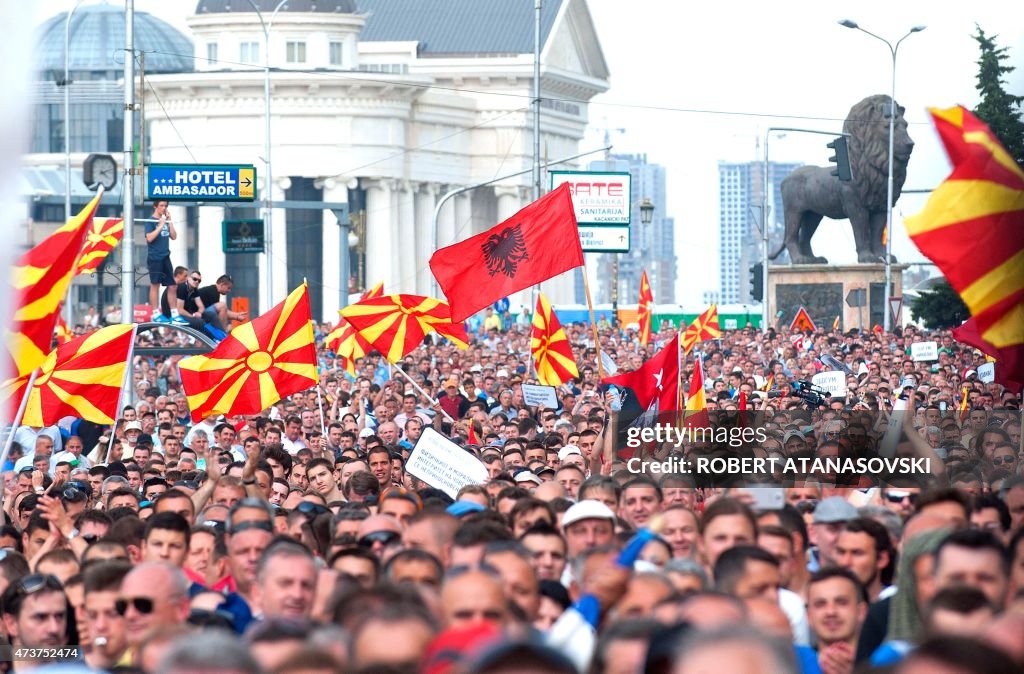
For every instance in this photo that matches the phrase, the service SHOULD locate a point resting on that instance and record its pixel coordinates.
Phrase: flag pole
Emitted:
(529, 334)
(422, 392)
(593, 324)
(129, 370)
(18, 416)
(320, 405)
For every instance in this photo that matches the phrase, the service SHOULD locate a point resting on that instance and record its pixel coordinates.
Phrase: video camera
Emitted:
(814, 396)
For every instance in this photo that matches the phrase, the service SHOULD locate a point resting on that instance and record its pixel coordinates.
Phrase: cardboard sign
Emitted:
(542, 396)
(833, 382)
(987, 373)
(923, 351)
(444, 465)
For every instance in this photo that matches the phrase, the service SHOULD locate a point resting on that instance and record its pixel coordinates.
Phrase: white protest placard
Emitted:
(987, 373)
(833, 382)
(920, 351)
(444, 465)
(542, 396)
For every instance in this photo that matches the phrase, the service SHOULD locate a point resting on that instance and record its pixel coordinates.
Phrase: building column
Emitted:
(425, 196)
(379, 234)
(279, 256)
(405, 258)
(335, 288)
(179, 247)
(463, 217)
(209, 243)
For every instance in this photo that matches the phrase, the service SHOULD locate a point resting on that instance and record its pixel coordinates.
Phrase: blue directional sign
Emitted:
(201, 182)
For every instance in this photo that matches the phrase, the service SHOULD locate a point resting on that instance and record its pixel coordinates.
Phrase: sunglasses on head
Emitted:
(385, 538)
(37, 582)
(143, 605)
(313, 509)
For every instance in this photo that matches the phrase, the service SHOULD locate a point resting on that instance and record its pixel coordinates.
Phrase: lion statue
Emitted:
(811, 192)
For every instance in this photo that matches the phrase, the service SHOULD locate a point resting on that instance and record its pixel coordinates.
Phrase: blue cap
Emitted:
(461, 508)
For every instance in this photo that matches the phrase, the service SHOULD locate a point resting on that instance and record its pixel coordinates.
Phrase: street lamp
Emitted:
(847, 23)
(646, 215)
(268, 185)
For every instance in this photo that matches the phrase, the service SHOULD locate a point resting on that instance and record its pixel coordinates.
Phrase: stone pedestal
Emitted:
(822, 290)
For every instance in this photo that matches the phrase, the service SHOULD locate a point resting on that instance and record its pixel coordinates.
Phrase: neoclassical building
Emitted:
(383, 105)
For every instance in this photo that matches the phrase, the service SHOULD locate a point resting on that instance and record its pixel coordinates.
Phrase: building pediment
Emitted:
(573, 45)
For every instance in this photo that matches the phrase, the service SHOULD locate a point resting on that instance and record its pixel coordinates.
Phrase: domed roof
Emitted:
(267, 6)
(96, 41)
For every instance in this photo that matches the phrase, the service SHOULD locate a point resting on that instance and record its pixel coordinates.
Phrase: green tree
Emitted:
(998, 108)
(939, 307)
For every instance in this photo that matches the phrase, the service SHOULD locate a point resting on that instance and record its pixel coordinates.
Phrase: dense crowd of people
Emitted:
(296, 541)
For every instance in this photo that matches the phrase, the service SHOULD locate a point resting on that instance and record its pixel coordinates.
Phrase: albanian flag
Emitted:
(257, 364)
(397, 324)
(552, 354)
(535, 244)
(972, 227)
(644, 309)
(82, 378)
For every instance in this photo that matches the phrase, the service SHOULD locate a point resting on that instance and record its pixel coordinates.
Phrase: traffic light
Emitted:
(757, 282)
(841, 159)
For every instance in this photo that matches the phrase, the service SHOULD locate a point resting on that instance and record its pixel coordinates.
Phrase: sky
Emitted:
(693, 84)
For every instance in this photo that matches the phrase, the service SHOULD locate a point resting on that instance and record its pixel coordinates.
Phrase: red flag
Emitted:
(802, 322)
(552, 353)
(1009, 360)
(696, 401)
(644, 309)
(471, 436)
(535, 244)
(657, 380)
(703, 328)
(258, 364)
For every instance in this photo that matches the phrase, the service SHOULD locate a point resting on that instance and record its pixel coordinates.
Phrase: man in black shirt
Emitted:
(212, 306)
(168, 314)
(188, 292)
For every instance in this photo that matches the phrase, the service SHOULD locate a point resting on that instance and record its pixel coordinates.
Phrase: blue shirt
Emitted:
(160, 247)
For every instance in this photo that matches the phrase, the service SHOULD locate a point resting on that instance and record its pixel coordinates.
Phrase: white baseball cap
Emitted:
(567, 451)
(588, 509)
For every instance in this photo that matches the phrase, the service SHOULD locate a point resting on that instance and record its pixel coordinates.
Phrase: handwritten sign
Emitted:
(542, 396)
(444, 465)
(922, 351)
(833, 382)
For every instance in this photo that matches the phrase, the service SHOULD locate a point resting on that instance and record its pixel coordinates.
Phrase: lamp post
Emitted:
(268, 184)
(847, 23)
(646, 215)
(66, 84)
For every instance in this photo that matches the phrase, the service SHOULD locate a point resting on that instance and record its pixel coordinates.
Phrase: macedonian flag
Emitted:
(644, 309)
(348, 344)
(259, 363)
(61, 332)
(82, 378)
(39, 281)
(972, 226)
(703, 328)
(552, 354)
(103, 236)
(397, 324)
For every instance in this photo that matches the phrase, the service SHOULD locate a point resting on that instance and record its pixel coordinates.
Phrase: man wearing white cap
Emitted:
(587, 524)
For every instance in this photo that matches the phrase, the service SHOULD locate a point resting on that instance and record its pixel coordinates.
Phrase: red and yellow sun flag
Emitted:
(103, 236)
(697, 402)
(643, 313)
(703, 328)
(552, 353)
(972, 226)
(346, 342)
(38, 283)
(82, 378)
(61, 331)
(397, 324)
(259, 363)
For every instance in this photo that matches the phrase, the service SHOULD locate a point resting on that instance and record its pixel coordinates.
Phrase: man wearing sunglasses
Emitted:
(35, 615)
(153, 595)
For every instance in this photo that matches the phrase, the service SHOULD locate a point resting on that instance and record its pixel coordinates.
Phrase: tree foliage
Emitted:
(998, 108)
(940, 307)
